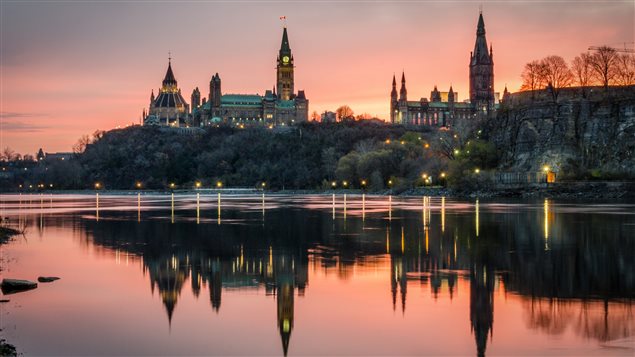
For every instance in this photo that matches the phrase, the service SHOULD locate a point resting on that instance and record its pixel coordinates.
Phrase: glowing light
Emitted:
(363, 182)
(476, 171)
(344, 183)
(172, 185)
(443, 175)
(424, 176)
(333, 184)
(198, 184)
(97, 185)
(263, 184)
(456, 152)
(219, 184)
(138, 184)
(545, 168)
(427, 146)
(387, 141)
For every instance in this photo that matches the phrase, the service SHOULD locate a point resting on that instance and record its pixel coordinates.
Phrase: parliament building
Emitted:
(443, 107)
(280, 105)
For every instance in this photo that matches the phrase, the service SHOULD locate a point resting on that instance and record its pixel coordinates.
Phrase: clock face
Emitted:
(285, 59)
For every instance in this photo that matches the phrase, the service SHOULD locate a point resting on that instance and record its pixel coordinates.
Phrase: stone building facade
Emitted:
(444, 107)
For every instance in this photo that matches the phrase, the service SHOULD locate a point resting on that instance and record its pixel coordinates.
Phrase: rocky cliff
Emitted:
(586, 131)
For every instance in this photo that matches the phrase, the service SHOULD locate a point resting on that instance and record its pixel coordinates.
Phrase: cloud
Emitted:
(19, 126)
(8, 122)
(13, 115)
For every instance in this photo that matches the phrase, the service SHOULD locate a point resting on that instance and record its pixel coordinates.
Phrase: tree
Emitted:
(603, 62)
(344, 112)
(533, 76)
(582, 71)
(625, 69)
(8, 154)
(556, 73)
(81, 144)
(315, 116)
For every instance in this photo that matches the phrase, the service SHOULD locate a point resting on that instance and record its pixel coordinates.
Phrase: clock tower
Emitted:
(285, 69)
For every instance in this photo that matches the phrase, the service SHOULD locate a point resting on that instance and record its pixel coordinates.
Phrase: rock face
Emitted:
(10, 286)
(585, 129)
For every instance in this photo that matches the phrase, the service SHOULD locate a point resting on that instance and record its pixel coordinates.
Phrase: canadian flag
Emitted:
(283, 17)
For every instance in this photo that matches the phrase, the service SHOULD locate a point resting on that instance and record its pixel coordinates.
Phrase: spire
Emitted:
(480, 29)
(394, 81)
(284, 46)
(403, 94)
(480, 55)
(169, 75)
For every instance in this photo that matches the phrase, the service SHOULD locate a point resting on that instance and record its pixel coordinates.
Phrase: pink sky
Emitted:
(68, 69)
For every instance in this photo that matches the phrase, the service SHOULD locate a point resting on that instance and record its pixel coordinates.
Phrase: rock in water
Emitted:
(10, 286)
(47, 279)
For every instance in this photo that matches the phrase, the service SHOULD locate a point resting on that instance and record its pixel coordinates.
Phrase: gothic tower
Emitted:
(215, 91)
(393, 100)
(285, 69)
(481, 71)
(196, 98)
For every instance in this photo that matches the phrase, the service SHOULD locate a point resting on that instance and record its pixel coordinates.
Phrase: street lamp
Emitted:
(545, 168)
(333, 184)
(138, 184)
(476, 171)
(219, 184)
(172, 185)
(198, 184)
(97, 185)
(344, 183)
(363, 182)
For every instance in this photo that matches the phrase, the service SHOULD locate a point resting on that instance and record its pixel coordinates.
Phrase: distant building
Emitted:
(328, 117)
(57, 156)
(443, 107)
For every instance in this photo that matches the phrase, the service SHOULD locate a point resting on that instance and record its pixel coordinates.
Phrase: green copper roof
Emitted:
(285, 104)
(240, 99)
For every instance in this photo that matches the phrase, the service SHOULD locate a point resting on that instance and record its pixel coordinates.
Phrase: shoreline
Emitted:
(563, 190)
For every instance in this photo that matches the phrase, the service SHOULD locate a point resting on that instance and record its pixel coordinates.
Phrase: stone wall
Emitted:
(586, 129)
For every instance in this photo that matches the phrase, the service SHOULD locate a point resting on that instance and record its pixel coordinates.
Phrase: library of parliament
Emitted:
(279, 106)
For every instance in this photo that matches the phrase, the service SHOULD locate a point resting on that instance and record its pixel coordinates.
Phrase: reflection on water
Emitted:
(561, 270)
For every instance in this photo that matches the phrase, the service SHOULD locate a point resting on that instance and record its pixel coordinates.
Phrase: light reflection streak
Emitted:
(477, 214)
(443, 214)
(363, 207)
(138, 207)
(97, 207)
(172, 207)
(390, 208)
(333, 206)
(546, 213)
(344, 207)
(219, 209)
(198, 208)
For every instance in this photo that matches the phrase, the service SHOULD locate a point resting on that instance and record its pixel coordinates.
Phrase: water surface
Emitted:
(211, 274)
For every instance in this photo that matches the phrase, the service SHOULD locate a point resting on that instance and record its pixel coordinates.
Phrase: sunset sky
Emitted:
(69, 68)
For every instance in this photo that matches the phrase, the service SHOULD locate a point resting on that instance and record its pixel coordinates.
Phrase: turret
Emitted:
(215, 91)
(403, 93)
(196, 98)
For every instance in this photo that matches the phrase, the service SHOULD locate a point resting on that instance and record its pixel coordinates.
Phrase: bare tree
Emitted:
(625, 69)
(603, 62)
(81, 144)
(581, 67)
(315, 116)
(344, 112)
(533, 76)
(8, 154)
(556, 73)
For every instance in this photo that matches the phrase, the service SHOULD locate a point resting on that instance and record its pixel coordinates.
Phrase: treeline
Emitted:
(308, 156)
(604, 66)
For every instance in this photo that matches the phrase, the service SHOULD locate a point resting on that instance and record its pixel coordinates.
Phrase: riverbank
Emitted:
(562, 190)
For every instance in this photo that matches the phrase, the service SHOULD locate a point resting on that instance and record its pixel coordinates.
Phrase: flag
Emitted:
(283, 17)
